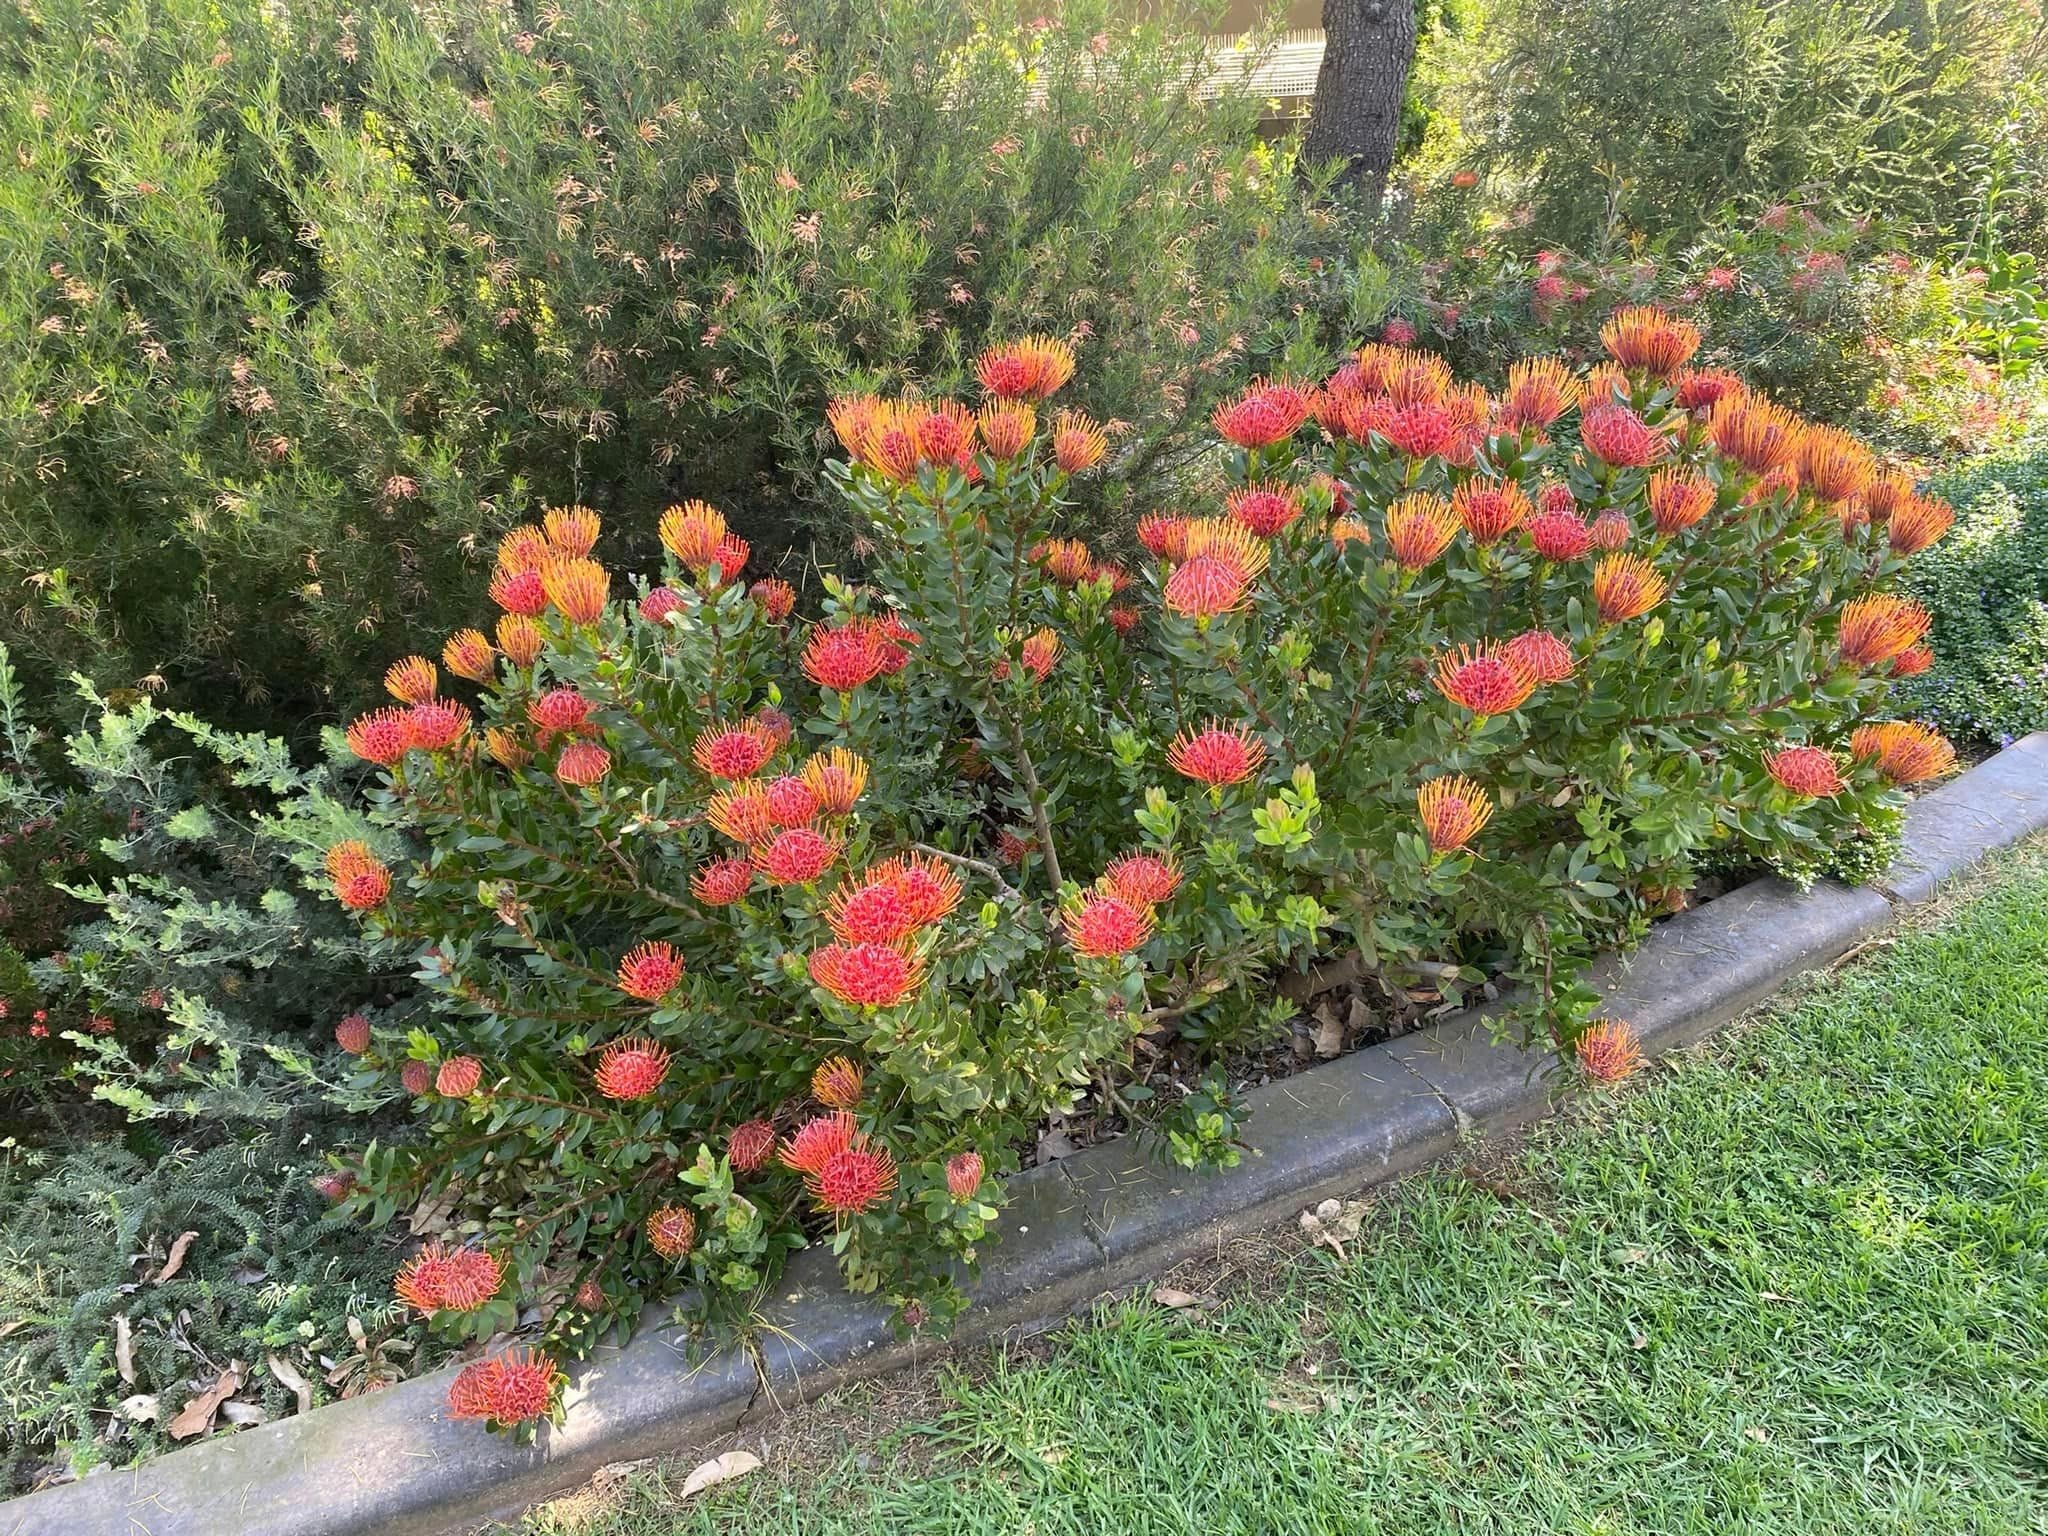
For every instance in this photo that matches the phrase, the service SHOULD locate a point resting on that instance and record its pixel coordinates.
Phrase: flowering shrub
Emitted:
(744, 928)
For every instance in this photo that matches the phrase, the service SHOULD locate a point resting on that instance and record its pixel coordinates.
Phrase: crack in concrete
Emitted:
(1088, 1223)
(1459, 1118)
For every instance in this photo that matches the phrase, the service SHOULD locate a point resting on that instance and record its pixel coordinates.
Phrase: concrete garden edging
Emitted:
(394, 1464)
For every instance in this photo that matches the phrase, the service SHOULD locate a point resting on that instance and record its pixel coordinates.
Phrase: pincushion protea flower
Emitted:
(1204, 587)
(1879, 627)
(1029, 369)
(506, 748)
(1887, 492)
(1078, 442)
(1833, 465)
(671, 1231)
(963, 1175)
(1100, 925)
(1346, 531)
(1490, 511)
(458, 1077)
(1626, 587)
(791, 802)
(855, 1179)
(837, 1083)
(838, 778)
(730, 558)
(651, 970)
(659, 603)
(874, 912)
(1142, 879)
(412, 680)
(944, 433)
(520, 638)
(352, 1034)
(631, 1069)
(1006, 428)
(382, 736)
(1608, 1051)
(589, 1296)
(692, 533)
(334, 1187)
(1905, 751)
(468, 653)
(1452, 811)
(844, 658)
(1419, 529)
(1807, 771)
(1420, 431)
(1548, 658)
(1066, 561)
(435, 725)
(732, 751)
(1616, 435)
(1039, 653)
(440, 1279)
(1913, 661)
(1701, 389)
(776, 597)
(818, 1140)
(1265, 413)
(1679, 499)
(1756, 433)
(1611, 530)
(1645, 338)
(577, 588)
(525, 548)
(521, 592)
(796, 856)
(572, 530)
(750, 1145)
(416, 1077)
(360, 878)
(721, 882)
(1216, 755)
(1487, 679)
(583, 764)
(867, 975)
(1918, 522)
(1540, 389)
(928, 887)
(516, 1387)
(1560, 535)
(1164, 535)
(1265, 510)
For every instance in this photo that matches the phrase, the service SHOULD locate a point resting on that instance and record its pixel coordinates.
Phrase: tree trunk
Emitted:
(1368, 49)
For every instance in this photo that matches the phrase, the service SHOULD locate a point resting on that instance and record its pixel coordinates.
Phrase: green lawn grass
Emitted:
(1797, 1283)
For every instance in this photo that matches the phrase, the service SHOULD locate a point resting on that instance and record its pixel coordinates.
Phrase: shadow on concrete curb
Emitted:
(393, 1464)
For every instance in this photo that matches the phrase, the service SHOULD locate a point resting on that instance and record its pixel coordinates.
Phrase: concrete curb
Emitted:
(395, 1465)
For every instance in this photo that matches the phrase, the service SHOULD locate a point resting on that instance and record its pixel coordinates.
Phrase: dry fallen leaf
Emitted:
(1334, 1223)
(243, 1415)
(1293, 1405)
(1166, 1296)
(1329, 1032)
(288, 1376)
(719, 1469)
(139, 1409)
(124, 1348)
(176, 1260)
(197, 1414)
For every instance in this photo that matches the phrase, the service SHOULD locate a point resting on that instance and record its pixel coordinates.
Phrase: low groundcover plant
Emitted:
(745, 930)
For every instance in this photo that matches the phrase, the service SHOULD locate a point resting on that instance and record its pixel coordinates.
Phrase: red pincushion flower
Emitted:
(360, 879)
(1205, 587)
(589, 1296)
(1616, 435)
(1487, 680)
(1419, 529)
(469, 1395)
(1142, 879)
(873, 913)
(854, 1180)
(650, 971)
(412, 680)
(1267, 412)
(439, 1279)
(583, 763)
(867, 975)
(742, 813)
(733, 751)
(419, 1280)
(416, 1077)
(1879, 627)
(335, 1186)
(1398, 333)
(1165, 536)
(1560, 535)
(558, 710)
(844, 658)
(776, 597)
(1701, 389)
(1913, 661)
(692, 533)
(1556, 496)
(818, 1140)
(459, 1077)
(631, 1069)
(1918, 523)
(382, 736)
(1548, 658)
(658, 604)
(1421, 430)
(1610, 530)
(792, 802)
(1216, 755)
(1609, 1052)
(1645, 338)
(1807, 771)
(671, 1231)
(352, 1034)
(1540, 389)
(1626, 587)
(1452, 811)
(520, 592)
(963, 1175)
(722, 882)
(1099, 925)
(572, 530)
(1012, 846)
(750, 1145)
(1490, 512)
(469, 654)
(1030, 369)
(513, 1388)
(927, 886)
(796, 856)
(730, 557)
(1265, 510)
(1679, 499)
(436, 725)
(837, 1083)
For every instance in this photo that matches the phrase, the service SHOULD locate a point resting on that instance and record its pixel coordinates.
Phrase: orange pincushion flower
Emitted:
(1100, 925)
(583, 764)
(1540, 389)
(1905, 751)
(750, 1145)
(1487, 679)
(1030, 369)
(1265, 510)
(1879, 627)
(1142, 879)
(1078, 443)
(776, 597)
(1204, 587)
(743, 813)
(525, 548)
(1066, 561)
(506, 748)
(838, 778)
(963, 1175)
(1918, 523)
(513, 1388)
(1834, 465)
(722, 882)
(360, 878)
(572, 530)
(1626, 587)
(731, 556)
(631, 1069)
(846, 657)
(692, 533)
(469, 654)
(1548, 658)
(458, 1077)
(1887, 492)
(1643, 337)
(519, 591)
(733, 751)
(439, 1279)
(1407, 377)
(412, 680)
(1609, 1051)
(1616, 435)
(1452, 810)
(1216, 755)
(520, 638)
(671, 1231)
(1491, 511)
(927, 887)
(382, 736)
(855, 1179)
(867, 975)
(1419, 529)
(1219, 538)
(1006, 428)
(1756, 433)
(837, 1083)
(818, 1140)
(1679, 499)
(650, 971)
(1164, 535)
(796, 856)
(1807, 771)
(1348, 530)
(1267, 412)
(577, 588)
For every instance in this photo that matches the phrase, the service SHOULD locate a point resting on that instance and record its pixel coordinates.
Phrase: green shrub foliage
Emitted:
(745, 930)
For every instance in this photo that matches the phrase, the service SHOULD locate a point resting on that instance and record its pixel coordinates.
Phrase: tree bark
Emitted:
(1368, 49)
